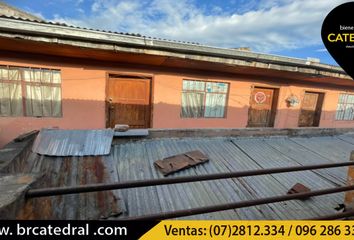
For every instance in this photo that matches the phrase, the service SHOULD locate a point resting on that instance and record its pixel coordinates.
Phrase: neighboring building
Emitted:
(6, 10)
(54, 75)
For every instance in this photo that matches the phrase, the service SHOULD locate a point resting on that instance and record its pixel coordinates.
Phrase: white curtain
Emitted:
(192, 104)
(56, 101)
(43, 100)
(215, 105)
(10, 92)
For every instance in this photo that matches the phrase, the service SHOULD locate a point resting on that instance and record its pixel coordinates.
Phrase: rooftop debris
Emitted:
(121, 127)
(132, 133)
(179, 162)
(298, 188)
(54, 142)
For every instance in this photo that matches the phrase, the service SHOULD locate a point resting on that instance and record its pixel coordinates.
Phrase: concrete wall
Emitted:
(83, 96)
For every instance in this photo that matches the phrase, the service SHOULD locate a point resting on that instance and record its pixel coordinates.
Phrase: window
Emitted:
(30, 92)
(345, 107)
(203, 99)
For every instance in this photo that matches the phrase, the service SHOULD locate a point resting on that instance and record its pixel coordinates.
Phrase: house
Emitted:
(23, 169)
(55, 75)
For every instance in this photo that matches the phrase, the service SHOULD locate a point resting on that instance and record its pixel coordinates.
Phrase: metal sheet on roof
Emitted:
(132, 133)
(55, 142)
(134, 161)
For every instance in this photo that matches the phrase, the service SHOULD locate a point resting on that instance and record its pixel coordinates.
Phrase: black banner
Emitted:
(58, 229)
(338, 35)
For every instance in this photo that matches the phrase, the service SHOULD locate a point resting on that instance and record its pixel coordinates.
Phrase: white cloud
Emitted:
(266, 26)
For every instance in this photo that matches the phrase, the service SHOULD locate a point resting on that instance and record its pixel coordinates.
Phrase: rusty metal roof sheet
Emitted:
(55, 142)
(134, 161)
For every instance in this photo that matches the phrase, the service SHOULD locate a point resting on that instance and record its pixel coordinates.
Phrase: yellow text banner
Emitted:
(242, 230)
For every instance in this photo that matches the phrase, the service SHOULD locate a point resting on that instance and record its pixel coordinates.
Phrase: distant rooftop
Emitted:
(9, 11)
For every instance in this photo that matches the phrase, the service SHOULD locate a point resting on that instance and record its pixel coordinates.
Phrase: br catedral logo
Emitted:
(338, 35)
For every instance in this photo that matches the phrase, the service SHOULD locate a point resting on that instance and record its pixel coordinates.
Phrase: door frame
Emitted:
(115, 74)
(302, 101)
(275, 102)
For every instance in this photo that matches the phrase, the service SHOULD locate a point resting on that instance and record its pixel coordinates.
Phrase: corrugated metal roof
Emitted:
(134, 161)
(97, 30)
(54, 142)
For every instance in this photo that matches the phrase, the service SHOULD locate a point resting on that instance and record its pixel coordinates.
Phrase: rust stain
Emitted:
(36, 209)
(44, 209)
(26, 212)
(24, 179)
(101, 196)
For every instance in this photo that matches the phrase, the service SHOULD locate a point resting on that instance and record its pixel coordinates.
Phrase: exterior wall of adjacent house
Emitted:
(84, 92)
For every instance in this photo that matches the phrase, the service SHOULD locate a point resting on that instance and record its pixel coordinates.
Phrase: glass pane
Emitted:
(27, 74)
(340, 98)
(14, 74)
(47, 101)
(350, 99)
(223, 87)
(16, 100)
(10, 99)
(200, 86)
(209, 87)
(56, 104)
(28, 101)
(185, 84)
(34, 101)
(351, 112)
(56, 77)
(347, 112)
(339, 113)
(5, 106)
(216, 87)
(4, 73)
(192, 105)
(215, 105)
(46, 76)
(193, 85)
(37, 75)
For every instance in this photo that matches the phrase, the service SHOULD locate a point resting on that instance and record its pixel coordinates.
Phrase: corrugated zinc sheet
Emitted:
(54, 142)
(134, 161)
(71, 171)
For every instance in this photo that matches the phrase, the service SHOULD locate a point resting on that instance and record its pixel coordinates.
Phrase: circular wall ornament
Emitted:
(260, 97)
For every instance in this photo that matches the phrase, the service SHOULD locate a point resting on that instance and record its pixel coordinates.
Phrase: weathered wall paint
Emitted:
(84, 88)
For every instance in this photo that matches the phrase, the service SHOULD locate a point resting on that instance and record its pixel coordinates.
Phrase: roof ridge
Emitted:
(97, 30)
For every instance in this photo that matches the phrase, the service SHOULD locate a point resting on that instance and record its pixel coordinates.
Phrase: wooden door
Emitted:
(128, 101)
(262, 107)
(310, 112)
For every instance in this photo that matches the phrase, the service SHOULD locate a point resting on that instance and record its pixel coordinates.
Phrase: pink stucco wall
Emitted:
(84, 89)
(83, 93)
(167, 100)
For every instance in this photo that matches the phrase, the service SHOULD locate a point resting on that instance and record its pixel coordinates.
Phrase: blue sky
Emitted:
(282, 27)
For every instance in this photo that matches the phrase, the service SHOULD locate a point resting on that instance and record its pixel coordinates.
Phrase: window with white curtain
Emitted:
(345, 107)
(202, 99)
(30, 92)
